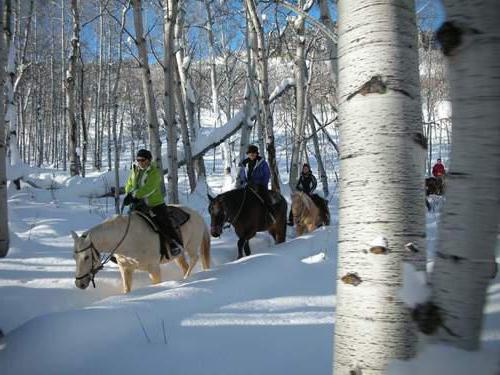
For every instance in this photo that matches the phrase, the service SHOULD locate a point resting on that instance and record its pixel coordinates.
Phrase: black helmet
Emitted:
(252, 149)
(143, 153)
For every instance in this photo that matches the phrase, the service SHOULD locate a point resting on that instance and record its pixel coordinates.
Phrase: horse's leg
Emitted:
(126, 278)
(247, 247)
(155, 274)
(241, 242)
(193, 258)
(181, 262)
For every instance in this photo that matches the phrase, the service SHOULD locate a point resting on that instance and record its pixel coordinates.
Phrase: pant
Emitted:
(165, 225)
(264, 195)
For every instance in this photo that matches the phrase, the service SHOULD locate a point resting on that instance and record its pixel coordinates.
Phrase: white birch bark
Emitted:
(380, 117)
(263, 74)
(4, 219)
(147, 85)
(331, 46)
(70, 92)
(300, 99)
(170, 14)
(467, 236)
(114, 106)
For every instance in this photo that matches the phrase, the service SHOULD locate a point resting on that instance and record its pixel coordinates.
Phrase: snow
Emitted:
(270, 313)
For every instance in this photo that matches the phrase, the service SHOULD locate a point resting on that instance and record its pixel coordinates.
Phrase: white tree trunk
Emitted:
(170, 14)
(4, 219)
(468, 232)
(147, 85)
(263, 75)
(300, 99)
(380, 116)
(70, 92)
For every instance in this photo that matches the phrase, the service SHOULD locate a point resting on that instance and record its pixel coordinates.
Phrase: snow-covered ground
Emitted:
(270, 313)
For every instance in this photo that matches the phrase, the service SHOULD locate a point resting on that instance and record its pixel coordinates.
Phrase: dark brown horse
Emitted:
(434, 186)
(246, 212)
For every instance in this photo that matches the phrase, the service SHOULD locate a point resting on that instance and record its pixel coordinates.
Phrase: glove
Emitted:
(128, 199)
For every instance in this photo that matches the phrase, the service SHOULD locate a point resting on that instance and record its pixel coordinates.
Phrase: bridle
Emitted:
(234, 220)
(95, 255)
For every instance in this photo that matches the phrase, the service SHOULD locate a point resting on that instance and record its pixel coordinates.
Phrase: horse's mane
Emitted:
(305, 201)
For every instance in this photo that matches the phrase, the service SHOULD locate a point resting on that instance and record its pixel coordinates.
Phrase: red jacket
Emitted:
(438, 170)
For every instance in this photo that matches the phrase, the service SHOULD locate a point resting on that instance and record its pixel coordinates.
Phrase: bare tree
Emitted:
(469, 225)
(262, 72)
(4, 220)
(147, 85)
(380, 114)
(170, 15)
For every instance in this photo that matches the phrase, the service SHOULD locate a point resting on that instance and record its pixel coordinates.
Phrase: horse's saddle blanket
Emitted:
(176, 214)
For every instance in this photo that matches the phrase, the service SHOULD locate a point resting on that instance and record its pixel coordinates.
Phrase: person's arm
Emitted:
(314, 183)
(151, 185)
(266, 173)
(129, 186)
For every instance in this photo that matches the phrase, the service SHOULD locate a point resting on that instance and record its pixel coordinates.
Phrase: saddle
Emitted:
(176, 215)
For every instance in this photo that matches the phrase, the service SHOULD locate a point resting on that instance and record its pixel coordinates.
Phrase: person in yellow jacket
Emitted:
(143, 187)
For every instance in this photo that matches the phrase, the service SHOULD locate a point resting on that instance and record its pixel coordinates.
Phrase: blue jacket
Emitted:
(260, 174)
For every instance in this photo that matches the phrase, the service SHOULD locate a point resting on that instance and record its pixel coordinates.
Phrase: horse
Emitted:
(136, 246)
(245, 210)
(306, 214)
(434, 186)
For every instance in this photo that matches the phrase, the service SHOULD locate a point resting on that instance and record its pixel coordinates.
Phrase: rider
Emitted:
(144, 186)
(254, 172)
(438, 170)
(307, 183)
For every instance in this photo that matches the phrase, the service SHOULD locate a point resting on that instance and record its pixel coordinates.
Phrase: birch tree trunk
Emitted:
(4, 219)
(468, 231)
(70, 92)
(147, 86)
(380, 210)
(114, 107)
(170, 14)
(300, 99)
(331, 46)
(262, 73)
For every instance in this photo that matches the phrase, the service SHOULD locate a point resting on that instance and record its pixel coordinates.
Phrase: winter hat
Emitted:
(143, 153)
(252, 149)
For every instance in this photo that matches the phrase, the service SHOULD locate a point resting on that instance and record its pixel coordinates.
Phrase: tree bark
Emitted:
(469, 222)
(380, 209)
(170, 14)
(300, 99)
(70, 91)
(262, 72)
(4, 217)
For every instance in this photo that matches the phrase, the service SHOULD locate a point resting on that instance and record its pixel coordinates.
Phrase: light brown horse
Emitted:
(306, 215)
(136, 246)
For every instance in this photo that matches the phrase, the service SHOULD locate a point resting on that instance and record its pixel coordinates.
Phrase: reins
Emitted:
(106, 259)
(234, 220)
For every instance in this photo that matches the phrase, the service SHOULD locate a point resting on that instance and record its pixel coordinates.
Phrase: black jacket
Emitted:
(307, 183)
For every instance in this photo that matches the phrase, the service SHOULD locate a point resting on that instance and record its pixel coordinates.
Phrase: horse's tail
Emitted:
(205, 249)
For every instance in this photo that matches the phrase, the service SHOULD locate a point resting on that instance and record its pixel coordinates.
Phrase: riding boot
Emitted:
(168, 230)
(266, 197)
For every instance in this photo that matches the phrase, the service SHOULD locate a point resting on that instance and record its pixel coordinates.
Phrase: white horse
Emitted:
(136, 246)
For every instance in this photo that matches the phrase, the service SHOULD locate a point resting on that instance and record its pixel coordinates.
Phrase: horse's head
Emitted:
(217, 216)
(300, 203)
(87, 260)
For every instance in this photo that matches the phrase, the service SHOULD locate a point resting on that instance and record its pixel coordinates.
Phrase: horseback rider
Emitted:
(143, 188)
(438, 171)
(307, 184)
(255, 173)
